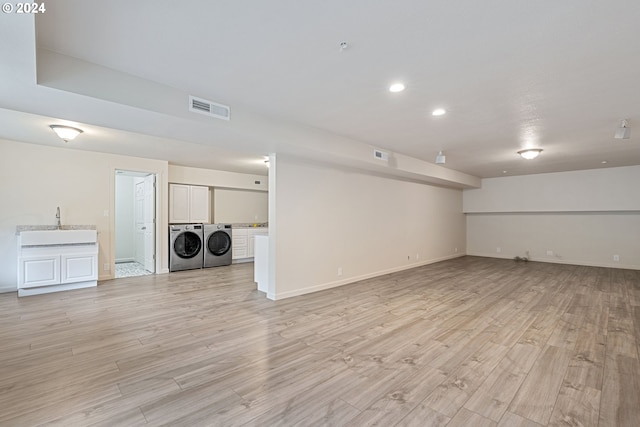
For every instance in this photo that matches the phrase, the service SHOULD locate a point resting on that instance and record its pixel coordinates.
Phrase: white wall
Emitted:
(330, 218)
(582, 217)
(610, 189)
(34, 179)
(125, 218)
(232, 206)
(215, 178)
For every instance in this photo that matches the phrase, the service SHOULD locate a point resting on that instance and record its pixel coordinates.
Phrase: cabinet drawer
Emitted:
(239, 252)
(239, 241)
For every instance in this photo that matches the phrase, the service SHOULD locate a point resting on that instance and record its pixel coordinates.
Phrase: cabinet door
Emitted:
(79, 268)
(179, 203)
(199, 204)
(39, 271)
(250, 247)
(239, 241)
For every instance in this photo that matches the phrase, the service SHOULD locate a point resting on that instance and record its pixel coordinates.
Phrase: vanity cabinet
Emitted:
(188, 204)
(51, 261)
(54, 269)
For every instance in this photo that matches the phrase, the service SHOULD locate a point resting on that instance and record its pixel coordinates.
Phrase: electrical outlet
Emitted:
(106, 266)
(498, 249)
(549, 253)
(417, 255)
(105, 212)
(616, 258)
(339, 271)
(455, 250)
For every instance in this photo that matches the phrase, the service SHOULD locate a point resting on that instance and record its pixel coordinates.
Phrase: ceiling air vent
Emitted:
(202, 106)
(381, 155)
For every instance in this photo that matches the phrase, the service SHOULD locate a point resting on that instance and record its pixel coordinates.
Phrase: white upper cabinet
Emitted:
(199, 206)
(188, 204)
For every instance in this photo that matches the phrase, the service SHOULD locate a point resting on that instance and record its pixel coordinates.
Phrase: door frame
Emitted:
(157, 215)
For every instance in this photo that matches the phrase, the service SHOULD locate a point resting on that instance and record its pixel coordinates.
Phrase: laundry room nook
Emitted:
(214, 217)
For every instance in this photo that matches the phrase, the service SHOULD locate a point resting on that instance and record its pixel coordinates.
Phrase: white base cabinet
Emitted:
(239, 243)
(45, 268)
(243, 248)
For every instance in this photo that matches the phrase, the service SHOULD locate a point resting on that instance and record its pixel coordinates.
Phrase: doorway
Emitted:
(134, 224)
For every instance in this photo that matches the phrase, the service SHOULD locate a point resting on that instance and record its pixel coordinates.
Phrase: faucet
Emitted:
(58, 217)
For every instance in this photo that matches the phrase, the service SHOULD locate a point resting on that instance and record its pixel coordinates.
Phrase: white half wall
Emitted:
(335, 226)
(34, 179)
(587, 217)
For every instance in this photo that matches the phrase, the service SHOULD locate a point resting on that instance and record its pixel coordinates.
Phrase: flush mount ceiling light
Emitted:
(530, 153)
(396, 87)
(623, 132)
(440, 158)
(439, 112)
(66, 133)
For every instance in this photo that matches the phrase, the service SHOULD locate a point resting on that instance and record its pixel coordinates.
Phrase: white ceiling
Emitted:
(512, 74)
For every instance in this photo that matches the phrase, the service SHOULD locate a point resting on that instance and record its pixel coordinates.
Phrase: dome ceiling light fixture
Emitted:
(66, 133)
(396, 87)
(530, 153)
(439, 112)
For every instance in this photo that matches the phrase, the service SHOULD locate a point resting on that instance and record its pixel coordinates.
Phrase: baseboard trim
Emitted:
(346, 281)
(562, 261)
(6, 290)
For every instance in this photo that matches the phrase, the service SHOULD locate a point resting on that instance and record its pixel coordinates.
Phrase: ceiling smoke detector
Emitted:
(440, 158)
(623, 132)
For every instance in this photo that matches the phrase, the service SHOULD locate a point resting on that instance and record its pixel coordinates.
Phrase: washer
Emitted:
(185, 246)
(217, 243)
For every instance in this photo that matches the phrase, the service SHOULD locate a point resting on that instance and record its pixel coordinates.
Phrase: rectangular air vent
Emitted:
(381, 155)
(209, 108)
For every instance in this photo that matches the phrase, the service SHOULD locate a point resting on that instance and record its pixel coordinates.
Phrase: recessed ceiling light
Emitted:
(530, 153)
(396, 87)
(504, 171)
(439, 112)
(604, 162)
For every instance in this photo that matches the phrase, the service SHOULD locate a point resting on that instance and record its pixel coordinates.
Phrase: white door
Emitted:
(140, 227)
(149, 222)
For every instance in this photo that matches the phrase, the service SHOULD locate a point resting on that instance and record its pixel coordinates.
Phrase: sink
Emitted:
(57, 237)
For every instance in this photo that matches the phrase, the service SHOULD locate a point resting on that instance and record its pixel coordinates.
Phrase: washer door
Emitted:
(218, 243)
(187, 245)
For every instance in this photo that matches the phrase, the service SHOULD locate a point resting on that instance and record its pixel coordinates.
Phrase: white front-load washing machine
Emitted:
(217, 245)
(186, 246)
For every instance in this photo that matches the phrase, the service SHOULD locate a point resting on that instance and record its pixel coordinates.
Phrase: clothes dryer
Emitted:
(217, 245)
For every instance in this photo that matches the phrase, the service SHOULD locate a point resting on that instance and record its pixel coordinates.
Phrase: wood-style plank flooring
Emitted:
(467, 342)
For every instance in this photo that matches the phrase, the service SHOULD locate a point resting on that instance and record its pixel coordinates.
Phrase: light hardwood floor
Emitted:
(466, 342)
